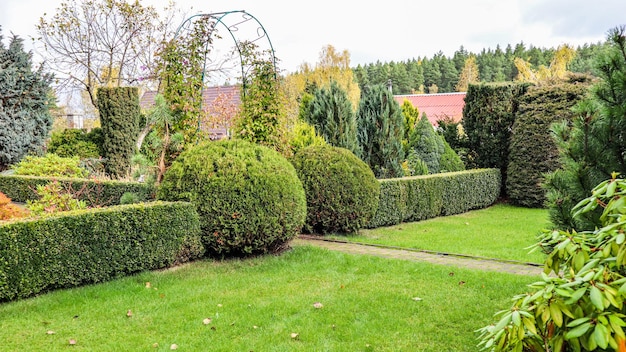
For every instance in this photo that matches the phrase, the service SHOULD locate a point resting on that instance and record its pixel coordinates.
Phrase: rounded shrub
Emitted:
(248, 196)
(341, 190)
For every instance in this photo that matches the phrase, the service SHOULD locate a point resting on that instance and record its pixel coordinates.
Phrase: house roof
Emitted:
(209, 94)
(230, 96)
(437, 106)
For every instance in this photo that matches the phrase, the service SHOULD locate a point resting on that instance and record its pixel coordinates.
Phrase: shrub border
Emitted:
(423, 197)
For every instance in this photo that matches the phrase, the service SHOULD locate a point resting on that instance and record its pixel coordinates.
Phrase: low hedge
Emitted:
(424, 197)
(88, 246)
(95, 193)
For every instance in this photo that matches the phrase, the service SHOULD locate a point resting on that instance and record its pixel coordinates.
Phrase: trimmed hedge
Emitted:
(97, 193)
(424, 197)
(341, 190)
(89, 246)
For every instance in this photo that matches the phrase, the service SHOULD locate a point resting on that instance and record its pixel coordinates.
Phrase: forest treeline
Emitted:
(441, 74)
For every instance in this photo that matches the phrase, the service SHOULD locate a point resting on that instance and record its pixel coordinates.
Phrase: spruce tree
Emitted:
(330, 111)
(427, 144)
(24, 97)
(380, 129)
(594, 146)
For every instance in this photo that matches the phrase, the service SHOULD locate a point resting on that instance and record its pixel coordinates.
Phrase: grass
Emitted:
(501, 231)
(256, 304)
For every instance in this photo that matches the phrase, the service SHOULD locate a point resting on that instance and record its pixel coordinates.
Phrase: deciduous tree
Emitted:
(92, 43)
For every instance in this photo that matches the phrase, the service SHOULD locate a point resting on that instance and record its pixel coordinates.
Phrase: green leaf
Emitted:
(601, 335)
(578, 321)
(578, 331)
(506, 319)
(515, 317)
(576, 295)
(556, 314)
(596, 297)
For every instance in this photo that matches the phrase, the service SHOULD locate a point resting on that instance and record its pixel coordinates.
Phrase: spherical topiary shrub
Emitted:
(249, 198)
(341, 190)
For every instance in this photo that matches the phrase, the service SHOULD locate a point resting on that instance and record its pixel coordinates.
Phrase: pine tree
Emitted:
(380, 129)
(331, 113)
(24, 98)
(595, 146)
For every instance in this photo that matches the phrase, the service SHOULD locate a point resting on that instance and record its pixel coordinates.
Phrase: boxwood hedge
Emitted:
(88, 246)
(423, 197)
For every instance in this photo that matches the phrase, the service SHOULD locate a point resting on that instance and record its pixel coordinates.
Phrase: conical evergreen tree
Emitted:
(380, 130)
(427, 144)
(24, 117)
(330, 111)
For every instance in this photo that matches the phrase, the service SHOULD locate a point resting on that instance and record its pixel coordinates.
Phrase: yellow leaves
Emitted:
(557, 69)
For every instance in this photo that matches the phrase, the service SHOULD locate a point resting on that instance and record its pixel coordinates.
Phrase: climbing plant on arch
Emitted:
(193, 60)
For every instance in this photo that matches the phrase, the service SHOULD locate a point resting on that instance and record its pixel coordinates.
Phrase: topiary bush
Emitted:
(248, 196)
(341, 190)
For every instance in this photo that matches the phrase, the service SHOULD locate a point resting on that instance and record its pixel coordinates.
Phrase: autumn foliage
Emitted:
(9, 210)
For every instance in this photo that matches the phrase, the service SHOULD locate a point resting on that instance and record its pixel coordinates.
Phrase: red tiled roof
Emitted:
(437, 106)
(209, 94)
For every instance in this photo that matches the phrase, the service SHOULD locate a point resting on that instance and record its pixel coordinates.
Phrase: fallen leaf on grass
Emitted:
(206, 321)
(174, 346)
(72, 342)
(148, 285)
(295, 336)
(155, 345)
(50, 332)
(416, 298)
(461, 283)
(318, 305)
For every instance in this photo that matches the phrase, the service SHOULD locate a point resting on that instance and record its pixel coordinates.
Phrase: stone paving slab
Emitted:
(442, 259)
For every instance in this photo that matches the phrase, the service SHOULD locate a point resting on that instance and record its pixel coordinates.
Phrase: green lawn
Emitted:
(501, 231)
(369, 303)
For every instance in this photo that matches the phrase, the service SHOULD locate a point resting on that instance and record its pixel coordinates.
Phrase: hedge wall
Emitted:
(95, 193)
(423, 197)
(533, 151)
(96, 245)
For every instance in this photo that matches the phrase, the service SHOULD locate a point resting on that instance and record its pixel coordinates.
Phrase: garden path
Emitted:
(455, 260)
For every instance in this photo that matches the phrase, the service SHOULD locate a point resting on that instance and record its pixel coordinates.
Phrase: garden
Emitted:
(145, 233)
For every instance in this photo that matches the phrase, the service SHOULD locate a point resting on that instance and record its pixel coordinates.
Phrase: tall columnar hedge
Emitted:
(119, 116)
(488, 117)
(380, 131)
(532, 151)
(248, 196)
(24, 102)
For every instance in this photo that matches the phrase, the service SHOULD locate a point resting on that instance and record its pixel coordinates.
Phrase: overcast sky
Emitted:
(388, 30)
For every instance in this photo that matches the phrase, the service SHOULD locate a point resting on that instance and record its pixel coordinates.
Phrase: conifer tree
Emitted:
(330, 111)
(427, 144)
(24, 98)
(595, 146)
(380, 129)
